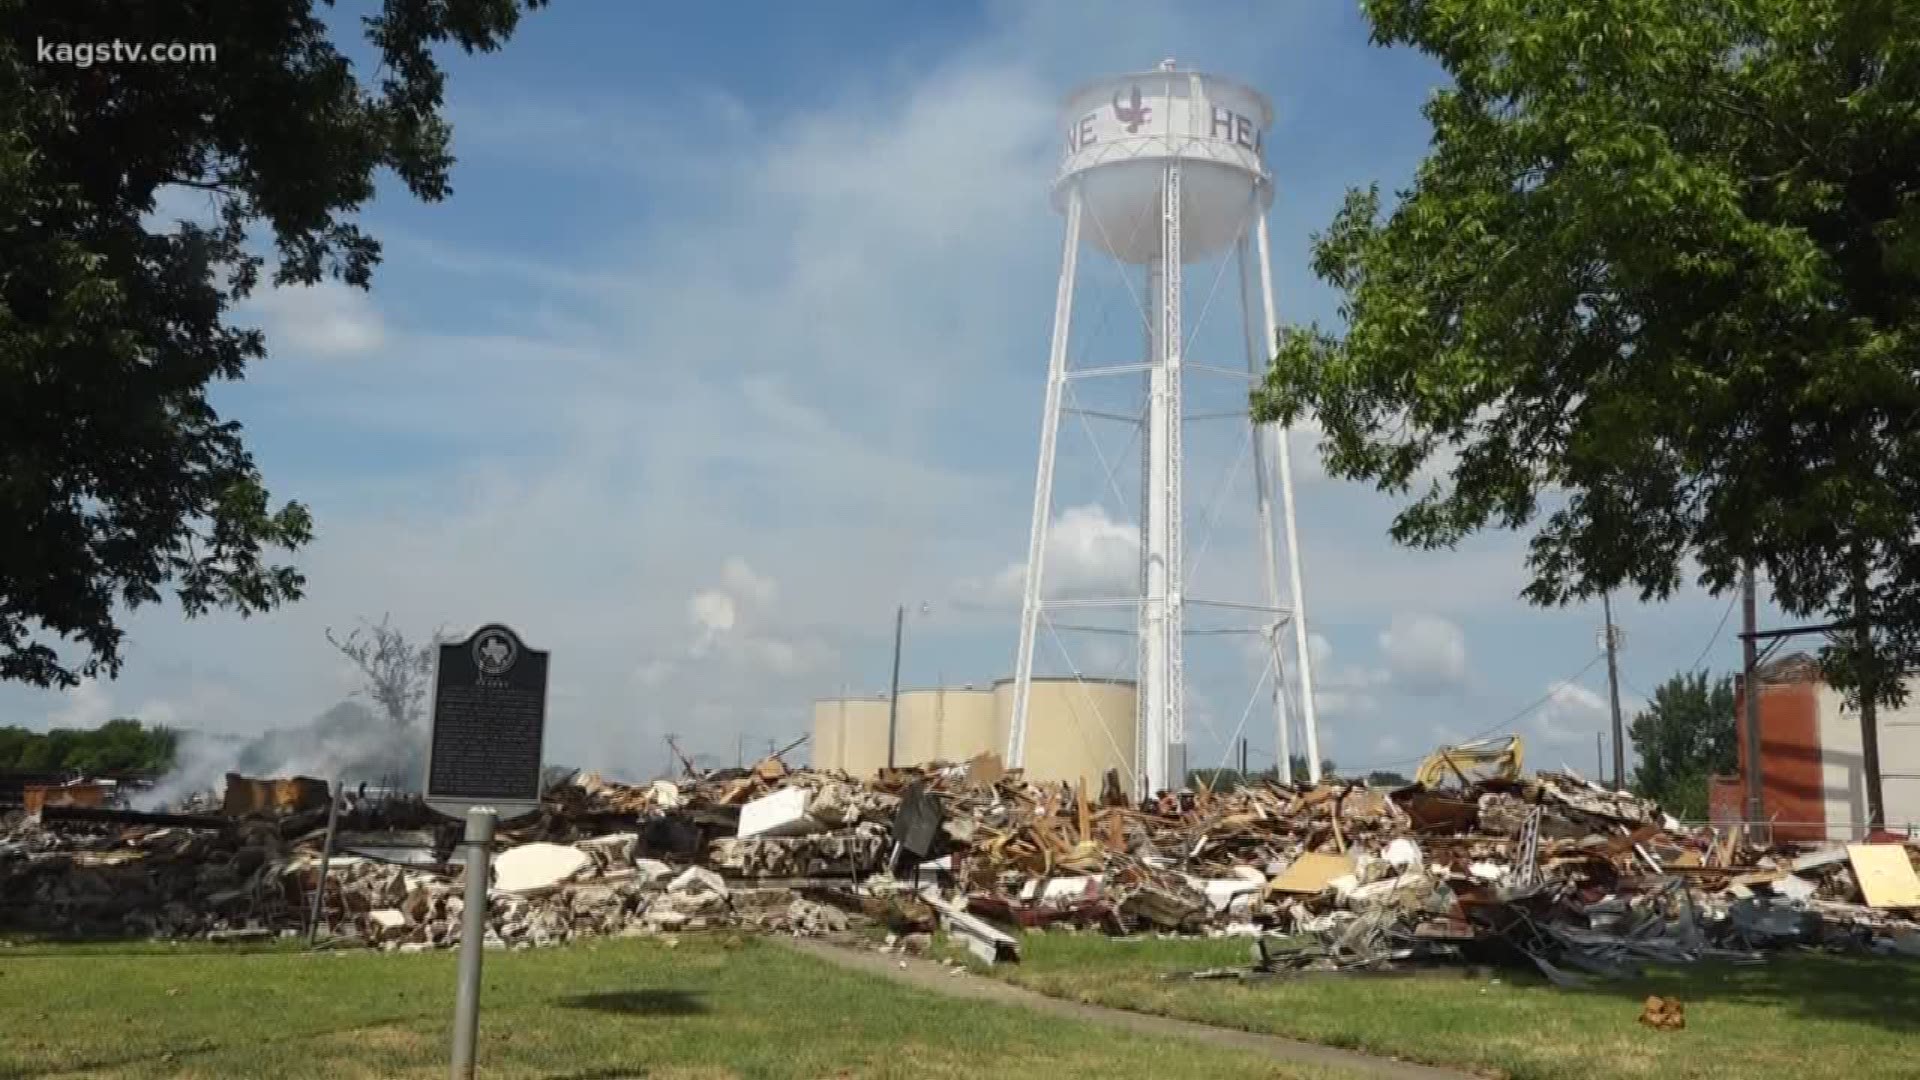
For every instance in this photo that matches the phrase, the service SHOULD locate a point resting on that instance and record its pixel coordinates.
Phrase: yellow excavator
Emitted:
(1497, 758)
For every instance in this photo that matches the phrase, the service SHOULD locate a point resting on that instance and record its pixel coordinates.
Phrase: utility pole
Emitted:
(1243, 759)
(1750, 693)
(1613, 693)
(893, 699)
(1869, 666)
(1599, 755)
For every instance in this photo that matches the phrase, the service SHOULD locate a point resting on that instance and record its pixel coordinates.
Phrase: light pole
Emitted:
(893, 698)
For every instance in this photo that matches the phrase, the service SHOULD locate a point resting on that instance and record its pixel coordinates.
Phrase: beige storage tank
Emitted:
(1077, 728)
(863, 732)
(968, 728)
(829, 732)
(944, 724)
(919, 733)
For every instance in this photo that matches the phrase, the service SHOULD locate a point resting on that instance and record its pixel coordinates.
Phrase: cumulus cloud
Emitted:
(1344, 690)
(86, 705)
(1089, 555)
(734, 621)
(1426, 653)
(1571, 716)
(712, 613)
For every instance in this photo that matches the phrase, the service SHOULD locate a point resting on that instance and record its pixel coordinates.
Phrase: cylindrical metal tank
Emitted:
(1123, 131)
(863, 732)
(921, 712)
(967, 727)
(944, 724)
(1077, 728)
(829, 733)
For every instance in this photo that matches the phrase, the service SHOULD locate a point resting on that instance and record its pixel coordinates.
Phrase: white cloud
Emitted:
(1571, 715)
(712, 613)
(1089, 555)
(87, 705)
(654, 673)
(1344, 690)
(733, 621)
(740, 580)
(326, 320)
(1426, 653)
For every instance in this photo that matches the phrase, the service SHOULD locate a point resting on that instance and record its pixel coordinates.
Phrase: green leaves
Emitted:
(1685, 734)
(118, 481)
(1652, 295)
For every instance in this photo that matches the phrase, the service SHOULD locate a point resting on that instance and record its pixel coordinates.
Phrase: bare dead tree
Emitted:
(397, 672)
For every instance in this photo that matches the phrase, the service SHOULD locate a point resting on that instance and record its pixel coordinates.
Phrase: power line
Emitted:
(1715, 639)
(1542, 700)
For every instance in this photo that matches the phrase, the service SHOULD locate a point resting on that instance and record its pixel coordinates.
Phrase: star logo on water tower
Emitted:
(1133, 114)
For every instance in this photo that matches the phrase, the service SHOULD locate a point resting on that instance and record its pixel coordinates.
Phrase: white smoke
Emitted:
(347, 742)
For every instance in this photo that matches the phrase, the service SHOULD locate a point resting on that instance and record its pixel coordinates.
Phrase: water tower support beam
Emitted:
(1263, 438)
(1309, 718)
(1030, 607)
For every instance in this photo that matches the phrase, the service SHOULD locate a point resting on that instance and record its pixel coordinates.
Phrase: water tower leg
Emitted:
(1160, 614)
(1258, 355)
(1043, 485)
(1308, 717)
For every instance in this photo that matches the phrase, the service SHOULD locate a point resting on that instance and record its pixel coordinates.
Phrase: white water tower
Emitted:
(1163, 170)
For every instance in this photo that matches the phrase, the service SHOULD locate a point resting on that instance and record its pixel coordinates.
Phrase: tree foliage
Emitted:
(1654, 290)
(1387, 779)
(1228, 779)
(117, 477)
(1687, 733)
(115, 746)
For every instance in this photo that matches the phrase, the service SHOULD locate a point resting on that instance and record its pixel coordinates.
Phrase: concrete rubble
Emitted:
(1552, 872)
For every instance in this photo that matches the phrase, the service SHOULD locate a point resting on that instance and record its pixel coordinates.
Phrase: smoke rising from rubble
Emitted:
(347, 741)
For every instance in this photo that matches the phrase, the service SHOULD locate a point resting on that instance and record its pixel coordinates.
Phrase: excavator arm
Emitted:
(1484, 759)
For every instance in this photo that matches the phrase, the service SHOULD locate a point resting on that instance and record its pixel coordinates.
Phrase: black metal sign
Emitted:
(489, 724)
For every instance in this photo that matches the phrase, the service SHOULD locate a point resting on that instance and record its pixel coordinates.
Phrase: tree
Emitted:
(1687, 733)
(1298, 767)
(115, 746)
(117, 478)
(397, 673)
(1386, 779)
(1656, 288)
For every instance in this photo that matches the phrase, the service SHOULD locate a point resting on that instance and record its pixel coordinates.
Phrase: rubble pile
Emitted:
(1552, 871)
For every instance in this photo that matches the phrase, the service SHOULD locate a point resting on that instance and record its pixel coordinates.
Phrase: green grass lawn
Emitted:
(1799, 1016)
(706, 1008)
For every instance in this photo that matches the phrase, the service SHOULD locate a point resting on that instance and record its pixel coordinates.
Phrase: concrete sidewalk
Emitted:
(928, 975)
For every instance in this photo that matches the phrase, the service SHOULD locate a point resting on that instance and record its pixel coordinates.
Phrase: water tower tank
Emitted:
(1122, 131)
(1081, 727)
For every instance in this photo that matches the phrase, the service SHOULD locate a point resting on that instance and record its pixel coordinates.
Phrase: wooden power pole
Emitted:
(1613, 693)
(1750, 695)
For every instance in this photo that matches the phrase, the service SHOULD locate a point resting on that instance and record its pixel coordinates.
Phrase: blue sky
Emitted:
(733, 336)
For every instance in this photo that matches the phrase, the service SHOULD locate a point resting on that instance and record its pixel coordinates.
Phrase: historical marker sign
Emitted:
(489, 724)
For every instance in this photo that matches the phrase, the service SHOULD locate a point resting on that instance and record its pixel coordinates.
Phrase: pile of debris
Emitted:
(1551, 871)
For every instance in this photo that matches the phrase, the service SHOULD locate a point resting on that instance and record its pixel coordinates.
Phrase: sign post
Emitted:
(473, 932)
(483, 764)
